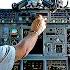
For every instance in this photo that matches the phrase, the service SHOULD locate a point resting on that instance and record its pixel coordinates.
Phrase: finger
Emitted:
(40, 17)
(45, 19)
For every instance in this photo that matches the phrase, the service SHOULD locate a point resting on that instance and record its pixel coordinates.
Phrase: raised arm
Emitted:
(26, 45)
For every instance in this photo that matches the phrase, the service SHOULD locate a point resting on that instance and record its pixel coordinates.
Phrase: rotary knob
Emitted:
(27, 19)
(14, 6)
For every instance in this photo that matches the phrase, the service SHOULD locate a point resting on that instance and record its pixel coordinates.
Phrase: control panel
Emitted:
(32, 65)
(52, 49)
(56, 65)
(16, 66)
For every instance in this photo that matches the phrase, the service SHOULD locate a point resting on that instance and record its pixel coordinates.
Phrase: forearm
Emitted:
(26, 45)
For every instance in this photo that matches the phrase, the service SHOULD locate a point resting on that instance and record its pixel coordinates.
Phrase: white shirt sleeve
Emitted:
(7, 57)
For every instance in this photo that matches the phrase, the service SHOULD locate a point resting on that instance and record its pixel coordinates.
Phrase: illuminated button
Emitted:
(20, 18)
(27, 18)
(11, 21)
(5, 39)
(33, 66)
(57, 40)
(62, 21)
(53, 21)
(2, 21)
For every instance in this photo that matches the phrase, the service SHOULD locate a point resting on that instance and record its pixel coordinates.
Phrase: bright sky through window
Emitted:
(6, 4)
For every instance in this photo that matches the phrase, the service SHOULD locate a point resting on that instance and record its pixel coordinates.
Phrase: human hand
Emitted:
(39, 25)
